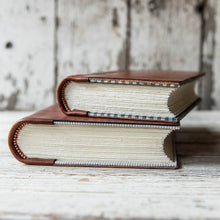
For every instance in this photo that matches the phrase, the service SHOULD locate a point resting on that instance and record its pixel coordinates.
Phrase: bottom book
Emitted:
(49, 137)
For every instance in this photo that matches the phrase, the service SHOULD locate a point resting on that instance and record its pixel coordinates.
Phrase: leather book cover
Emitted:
(145, 77)
(53, 114)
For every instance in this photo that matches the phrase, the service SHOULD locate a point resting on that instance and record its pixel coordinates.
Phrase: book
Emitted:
(49, 137)
(144, 95)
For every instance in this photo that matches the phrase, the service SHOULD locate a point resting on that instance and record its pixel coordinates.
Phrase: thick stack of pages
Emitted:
(113, 119)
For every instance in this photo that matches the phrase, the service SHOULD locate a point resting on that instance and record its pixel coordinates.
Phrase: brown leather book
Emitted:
(49, 137)
(144, 95)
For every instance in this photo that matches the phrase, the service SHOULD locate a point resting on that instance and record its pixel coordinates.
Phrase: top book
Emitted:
(147, 95)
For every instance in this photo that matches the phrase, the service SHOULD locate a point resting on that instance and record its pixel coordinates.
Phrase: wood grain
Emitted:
(192, 192)
(43, 41)
(91, 37)
(27, 59)
(165, 35)
(208, 11)
(216, 66)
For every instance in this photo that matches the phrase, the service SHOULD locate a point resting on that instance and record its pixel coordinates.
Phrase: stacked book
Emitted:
(112, 119)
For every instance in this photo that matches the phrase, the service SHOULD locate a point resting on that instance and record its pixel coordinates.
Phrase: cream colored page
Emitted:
(80, 142)
(118, 99)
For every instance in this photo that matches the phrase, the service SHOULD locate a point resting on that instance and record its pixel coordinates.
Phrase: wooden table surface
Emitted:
(193, 191)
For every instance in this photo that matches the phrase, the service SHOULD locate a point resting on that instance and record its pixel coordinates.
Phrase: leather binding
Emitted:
(53, 114)
(151, 77)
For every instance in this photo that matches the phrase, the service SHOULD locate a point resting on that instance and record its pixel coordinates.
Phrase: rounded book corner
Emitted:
(61, 89)
(15, 150)
(12, 141)
(60, 95)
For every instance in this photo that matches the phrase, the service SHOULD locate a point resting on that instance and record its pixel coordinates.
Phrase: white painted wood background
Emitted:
(43, 41)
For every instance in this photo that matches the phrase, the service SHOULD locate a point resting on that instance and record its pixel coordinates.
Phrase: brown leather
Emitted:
(38, 161)
(149, 76)
(77, 112)
(53, 113)
(163, 76)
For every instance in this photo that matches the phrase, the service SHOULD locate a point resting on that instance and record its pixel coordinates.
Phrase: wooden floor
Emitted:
(193, 191)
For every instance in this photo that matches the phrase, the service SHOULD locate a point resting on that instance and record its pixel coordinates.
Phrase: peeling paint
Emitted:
(25, 56)
(25, 85)
(27, 7)
(208, 101)
(9, 77)
(209, 16)
(9, 45)
(155, 6)
(115, 22)
(128, 36)
(2, 98)
(70, 64)
(43, 18)
(158, 65)
(138, 6)
(208, 28)
(33, 106)
(122, 57)
(200, 7)
(12, 100)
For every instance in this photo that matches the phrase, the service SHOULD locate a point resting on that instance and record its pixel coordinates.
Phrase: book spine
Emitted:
(60, 94)
(15, 150)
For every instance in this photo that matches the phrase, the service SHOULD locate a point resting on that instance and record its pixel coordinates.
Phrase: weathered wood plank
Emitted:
(165, 35)
(90, 37)
(216, 66)
(27, 66)
(208, 11)
(191, 192)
